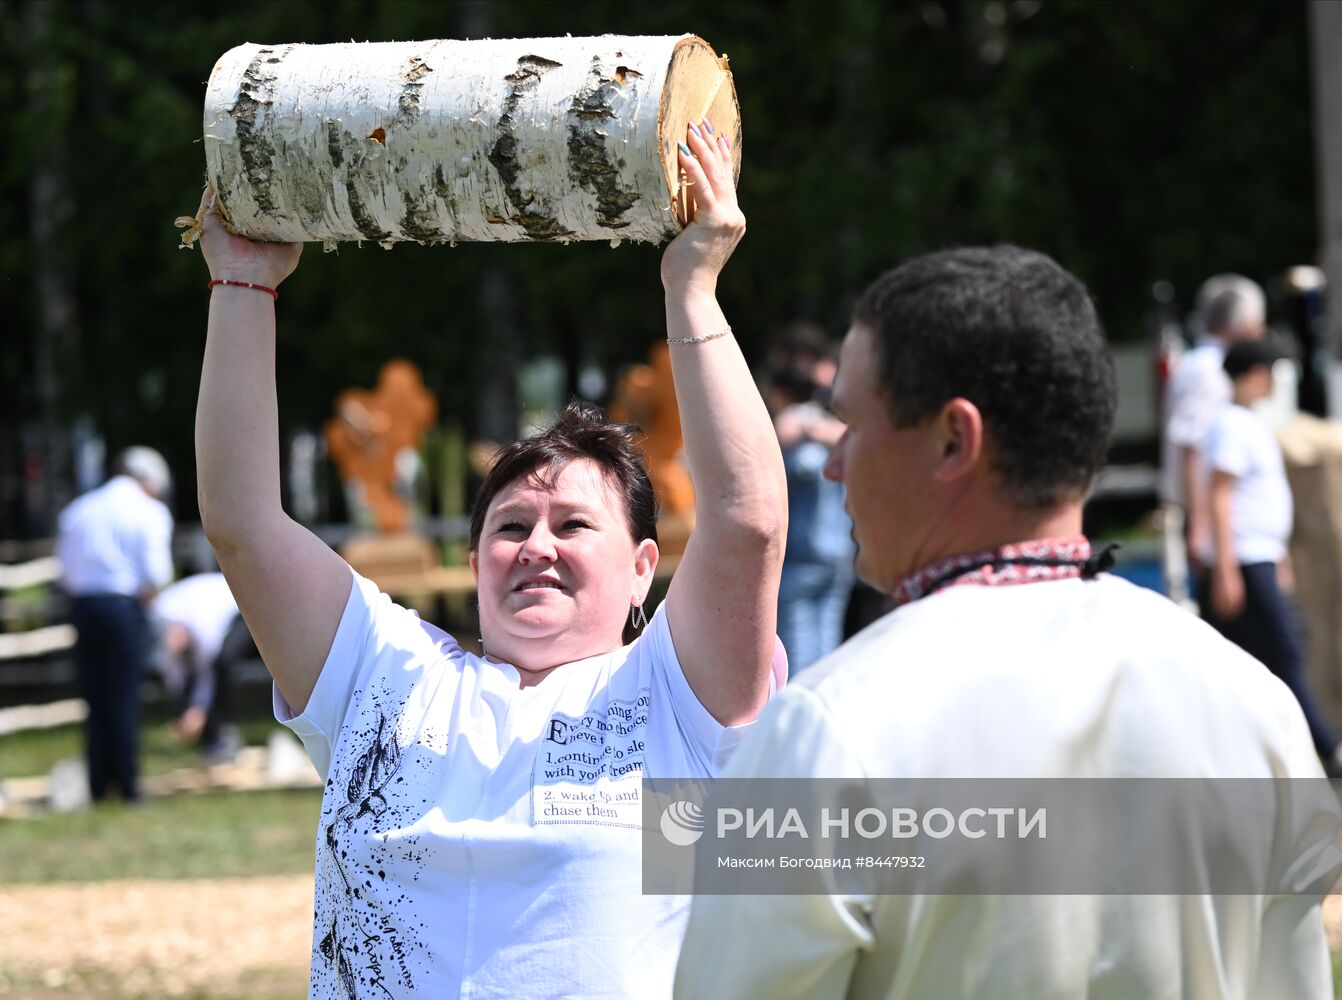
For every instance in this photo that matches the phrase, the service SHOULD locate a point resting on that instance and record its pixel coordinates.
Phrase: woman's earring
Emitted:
(637, 617)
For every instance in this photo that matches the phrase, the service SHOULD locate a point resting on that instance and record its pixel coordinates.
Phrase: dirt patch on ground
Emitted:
(224, 938)
(209, 938)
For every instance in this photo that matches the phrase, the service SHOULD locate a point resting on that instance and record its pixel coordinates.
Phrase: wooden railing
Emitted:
(19, 638)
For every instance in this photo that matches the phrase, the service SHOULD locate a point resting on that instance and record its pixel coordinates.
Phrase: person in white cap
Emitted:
(1231, 309)
(115, 548)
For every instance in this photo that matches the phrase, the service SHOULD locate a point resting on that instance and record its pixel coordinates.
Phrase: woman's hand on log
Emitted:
(240, 259)
(695, 258)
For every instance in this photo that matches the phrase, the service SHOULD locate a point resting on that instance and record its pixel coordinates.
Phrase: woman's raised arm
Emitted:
(723, 602)
(290, 587)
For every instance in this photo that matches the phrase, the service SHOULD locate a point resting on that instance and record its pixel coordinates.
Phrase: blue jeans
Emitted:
(812, 598)
(110, 651)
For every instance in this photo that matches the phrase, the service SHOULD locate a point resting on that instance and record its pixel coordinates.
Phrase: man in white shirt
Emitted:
(1234, 310)
(979, 398)
(204, 634)
(115, 548)
(1251, 516)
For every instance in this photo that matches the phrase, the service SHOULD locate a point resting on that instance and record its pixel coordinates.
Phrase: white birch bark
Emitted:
(552, 139)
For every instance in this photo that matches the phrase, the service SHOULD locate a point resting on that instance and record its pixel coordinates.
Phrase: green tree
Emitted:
(1134, 141)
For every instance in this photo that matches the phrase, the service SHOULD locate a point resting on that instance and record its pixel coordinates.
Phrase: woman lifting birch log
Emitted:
(481, 825)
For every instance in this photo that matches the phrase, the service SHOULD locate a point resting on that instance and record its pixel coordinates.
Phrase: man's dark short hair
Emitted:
(581, 431)
(1247, 355)
(1017, 335)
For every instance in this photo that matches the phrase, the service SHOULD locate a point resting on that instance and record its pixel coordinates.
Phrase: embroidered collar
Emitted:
(1019, 562)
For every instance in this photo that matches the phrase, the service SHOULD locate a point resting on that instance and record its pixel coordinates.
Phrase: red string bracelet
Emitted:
(244, 284)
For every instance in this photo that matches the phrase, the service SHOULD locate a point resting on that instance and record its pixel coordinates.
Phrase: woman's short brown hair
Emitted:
(582, 431)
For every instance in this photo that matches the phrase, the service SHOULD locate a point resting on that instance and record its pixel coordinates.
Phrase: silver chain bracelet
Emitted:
(699, 340)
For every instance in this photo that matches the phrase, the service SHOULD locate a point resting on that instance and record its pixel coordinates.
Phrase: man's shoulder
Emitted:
(202, 588)
(1199, 367)
(905, 643)
(1232, 413)
(90, 500)
(944, 654)
(1241, 424)
(149, 510)
(1004, 681)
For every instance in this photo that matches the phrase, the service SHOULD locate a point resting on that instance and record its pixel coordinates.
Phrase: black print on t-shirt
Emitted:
(363, 945)
(588, 767)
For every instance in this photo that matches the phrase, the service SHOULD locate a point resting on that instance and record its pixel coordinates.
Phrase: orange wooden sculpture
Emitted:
(371, 428)
(646, 396)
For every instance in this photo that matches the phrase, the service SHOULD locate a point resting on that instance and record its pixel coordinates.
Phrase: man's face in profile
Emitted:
(887, 470)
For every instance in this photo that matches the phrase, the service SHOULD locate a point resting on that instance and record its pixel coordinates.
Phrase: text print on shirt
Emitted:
(589, 769)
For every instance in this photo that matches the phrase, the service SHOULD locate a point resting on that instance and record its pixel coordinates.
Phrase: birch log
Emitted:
(540, 140)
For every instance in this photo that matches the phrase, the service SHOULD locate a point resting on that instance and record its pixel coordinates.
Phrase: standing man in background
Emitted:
(115, 550)
(1232, 309)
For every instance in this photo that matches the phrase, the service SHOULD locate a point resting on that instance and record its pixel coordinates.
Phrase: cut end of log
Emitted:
(698, 85)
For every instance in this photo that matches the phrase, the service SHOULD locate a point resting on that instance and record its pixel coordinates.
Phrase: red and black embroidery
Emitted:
(1020, 562)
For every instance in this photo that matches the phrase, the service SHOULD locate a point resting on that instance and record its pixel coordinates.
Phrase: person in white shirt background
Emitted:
(114, 545)
(1231, 308)
(481, 828)
(1252, 511)
(202, 637)
(979, 397)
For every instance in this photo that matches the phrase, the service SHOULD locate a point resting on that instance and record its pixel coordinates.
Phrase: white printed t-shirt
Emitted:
(1261, 509)
(478, 839)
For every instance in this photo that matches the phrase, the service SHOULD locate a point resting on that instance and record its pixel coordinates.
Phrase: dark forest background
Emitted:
(1137, 141)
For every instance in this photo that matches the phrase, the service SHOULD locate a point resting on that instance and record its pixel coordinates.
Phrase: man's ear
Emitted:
(961, 439)
(474, 559)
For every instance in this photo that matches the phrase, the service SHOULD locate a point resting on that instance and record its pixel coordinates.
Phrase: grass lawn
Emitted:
(93, 983)
(37, 750)
(230, 840)
(220, 835)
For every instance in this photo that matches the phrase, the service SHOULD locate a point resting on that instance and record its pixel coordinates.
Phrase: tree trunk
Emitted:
(51, 211)
(1326, 35)
(539, 140)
